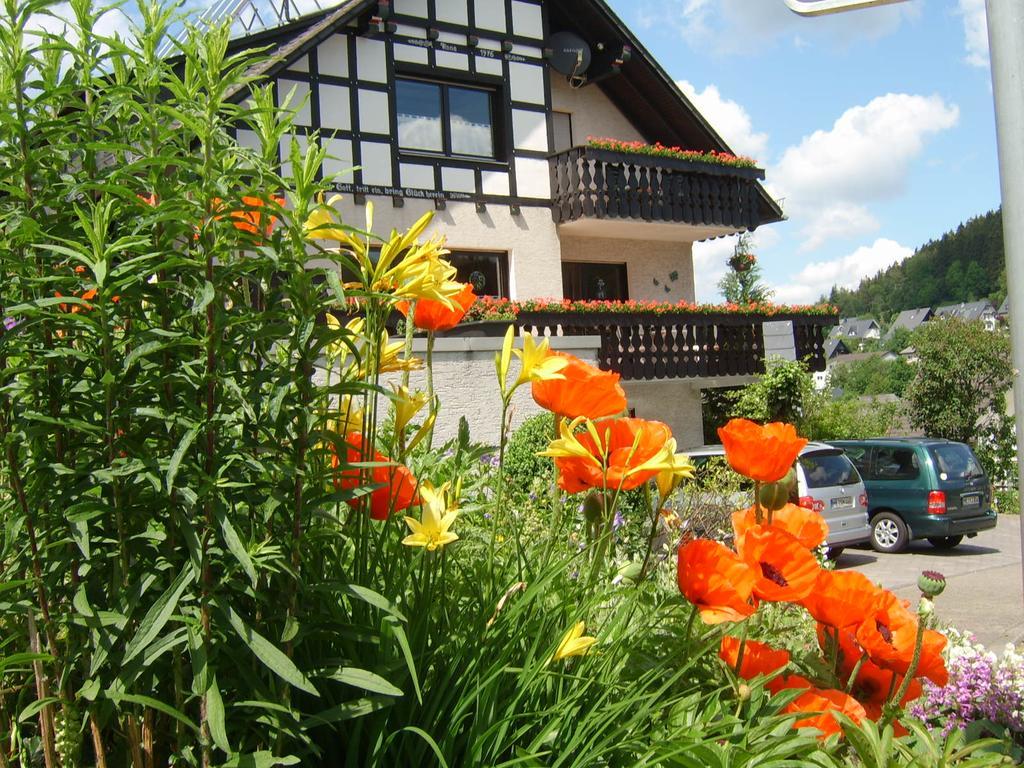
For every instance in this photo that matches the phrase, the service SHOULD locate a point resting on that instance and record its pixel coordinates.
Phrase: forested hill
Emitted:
(963, 265)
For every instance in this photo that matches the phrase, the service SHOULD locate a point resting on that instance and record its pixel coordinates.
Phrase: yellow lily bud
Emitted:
(407, 405)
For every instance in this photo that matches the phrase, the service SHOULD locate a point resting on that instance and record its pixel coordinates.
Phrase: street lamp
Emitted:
(1006, 54)
(822, 7)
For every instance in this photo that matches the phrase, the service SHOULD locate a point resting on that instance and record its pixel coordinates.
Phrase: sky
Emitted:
(875, 128)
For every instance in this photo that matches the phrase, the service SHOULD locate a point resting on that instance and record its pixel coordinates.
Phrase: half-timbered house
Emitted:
(481, 110)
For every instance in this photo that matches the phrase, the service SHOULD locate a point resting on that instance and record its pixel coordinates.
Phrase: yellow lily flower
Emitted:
(431, 530)
(321, 225)
(680, 468)
(350, 417)
(537, 362)
(391, 359)
(574, 643)
(568, 446)
(407, 405)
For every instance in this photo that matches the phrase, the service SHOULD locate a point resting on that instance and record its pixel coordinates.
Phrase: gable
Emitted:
(626, 92)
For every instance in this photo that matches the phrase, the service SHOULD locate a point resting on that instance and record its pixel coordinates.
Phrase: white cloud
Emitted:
(831, 175)
(729, 119)
(837, 221)
(746, 26)
(975, 31)
(817, 278)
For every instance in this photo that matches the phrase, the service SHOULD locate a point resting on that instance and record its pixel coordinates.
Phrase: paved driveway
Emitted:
(984, 591)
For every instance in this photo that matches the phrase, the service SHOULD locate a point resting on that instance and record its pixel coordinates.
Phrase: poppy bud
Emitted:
(776, 495)
(931, 583)
(593, 506)
(744, 691)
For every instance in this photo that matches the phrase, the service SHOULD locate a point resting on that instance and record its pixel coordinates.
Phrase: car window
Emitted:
(956, 462)
(858, 454)
(892, 463)
(824, 470)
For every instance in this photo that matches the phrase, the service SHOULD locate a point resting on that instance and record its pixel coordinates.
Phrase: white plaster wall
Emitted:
(645, 260)
(675, 402)
(593, 113)
(465, 380)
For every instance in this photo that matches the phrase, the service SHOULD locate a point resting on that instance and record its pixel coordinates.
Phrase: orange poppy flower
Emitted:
(431, 315)
(629, 443)
(761, 453)
(888, 634)
(758, 658)
(713, 578)
(149, 199)
(807, 526)
(841, 598)
(398, 486)
(873, 684)
(585, 391)
(87, 296)
(251, 218)
(822, 704)
(785, 570)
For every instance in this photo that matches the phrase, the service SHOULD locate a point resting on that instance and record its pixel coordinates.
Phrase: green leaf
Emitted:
(146, 701)
(268, 654)
(215, 716)
(259, 760)
(348, 711)
(375, 599)
(158, 614)
(236, 547)
(204, 297)
(179, 453)
(80, 535)
(363, 678)
(34, 708)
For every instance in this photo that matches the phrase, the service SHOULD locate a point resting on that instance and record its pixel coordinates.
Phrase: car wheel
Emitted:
(888, 532)
(945, 542)
(834, 553)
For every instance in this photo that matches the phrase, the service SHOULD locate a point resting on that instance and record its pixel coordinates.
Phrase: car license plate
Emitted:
(846, 502)
(970, 500)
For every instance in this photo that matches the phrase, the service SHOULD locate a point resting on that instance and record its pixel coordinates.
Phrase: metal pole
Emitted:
(1006, 50)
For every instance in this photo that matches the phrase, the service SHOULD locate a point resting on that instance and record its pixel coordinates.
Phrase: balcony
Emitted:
(600, 192)
(647, 346)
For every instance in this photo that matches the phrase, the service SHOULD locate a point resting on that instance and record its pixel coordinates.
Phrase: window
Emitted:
(956, 462)
(592, 281)
(825, 470)
(896, 464)
(444, 118)
(486, 271)
(562, 123)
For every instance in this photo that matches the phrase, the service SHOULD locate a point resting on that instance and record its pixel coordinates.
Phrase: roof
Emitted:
(965, 310)
(1004, 308)
(914, 440)
(854, 327)
(719, 450)
(910, 319)
(835, 346)
(643, 91)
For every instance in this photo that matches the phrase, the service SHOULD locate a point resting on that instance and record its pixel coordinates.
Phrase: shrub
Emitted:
(526, 471)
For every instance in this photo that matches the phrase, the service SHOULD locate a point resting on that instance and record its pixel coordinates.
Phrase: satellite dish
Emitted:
(570, 53)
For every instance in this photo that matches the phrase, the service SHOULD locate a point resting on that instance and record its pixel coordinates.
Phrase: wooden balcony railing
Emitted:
(646, 346)
(605, 184)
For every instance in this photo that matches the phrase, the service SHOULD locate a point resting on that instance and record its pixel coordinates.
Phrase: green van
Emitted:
(921, 488)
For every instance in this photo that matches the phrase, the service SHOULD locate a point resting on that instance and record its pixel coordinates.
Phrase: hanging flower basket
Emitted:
(742, 262)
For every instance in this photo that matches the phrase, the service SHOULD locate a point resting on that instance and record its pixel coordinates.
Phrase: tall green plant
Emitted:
(167, 527)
